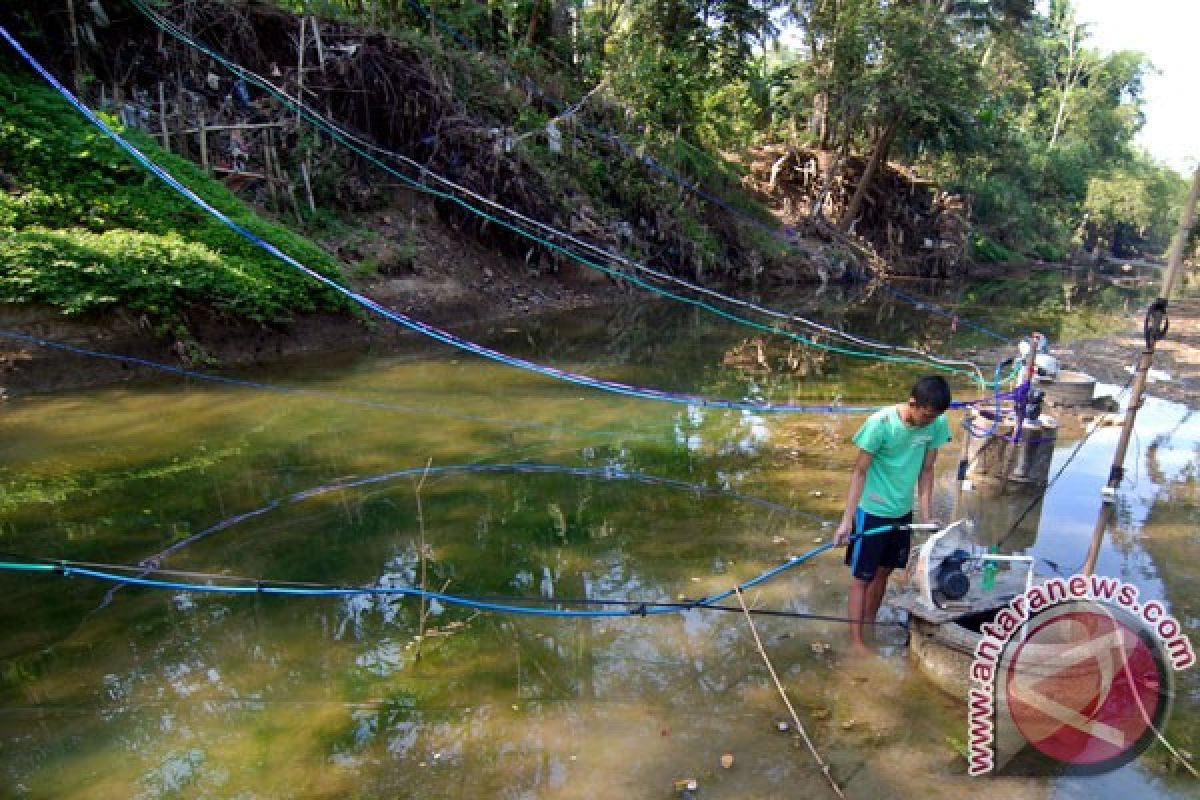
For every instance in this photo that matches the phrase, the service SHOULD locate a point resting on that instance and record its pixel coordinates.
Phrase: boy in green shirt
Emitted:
(897, 449)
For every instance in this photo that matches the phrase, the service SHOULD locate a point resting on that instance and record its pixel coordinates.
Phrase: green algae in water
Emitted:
(168, 694)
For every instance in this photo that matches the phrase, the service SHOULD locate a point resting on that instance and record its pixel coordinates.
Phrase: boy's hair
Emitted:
(932, 391)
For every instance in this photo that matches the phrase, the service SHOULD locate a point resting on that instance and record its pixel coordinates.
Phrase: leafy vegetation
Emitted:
(1001, 100)
(84, 228)
(986, 251)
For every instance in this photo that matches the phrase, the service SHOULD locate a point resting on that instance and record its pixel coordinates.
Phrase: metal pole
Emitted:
(963, 463)
(1155, 328)
(1022, 399)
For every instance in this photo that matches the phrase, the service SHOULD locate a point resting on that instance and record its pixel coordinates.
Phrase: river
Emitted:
(419, 465)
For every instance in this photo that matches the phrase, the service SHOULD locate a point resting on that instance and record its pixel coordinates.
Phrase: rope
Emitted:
(359, 146)
(1133, 683)
(786, 700)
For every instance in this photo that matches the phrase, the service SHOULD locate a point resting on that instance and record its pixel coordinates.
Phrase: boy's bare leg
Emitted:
(875, 590)
(859, 602)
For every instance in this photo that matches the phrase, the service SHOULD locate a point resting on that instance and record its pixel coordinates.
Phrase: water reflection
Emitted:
(174, 694)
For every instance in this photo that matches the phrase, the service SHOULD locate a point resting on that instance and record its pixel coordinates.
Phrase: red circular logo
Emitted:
(1086, 688)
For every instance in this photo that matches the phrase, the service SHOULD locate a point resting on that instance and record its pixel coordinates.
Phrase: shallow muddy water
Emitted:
(513, 486)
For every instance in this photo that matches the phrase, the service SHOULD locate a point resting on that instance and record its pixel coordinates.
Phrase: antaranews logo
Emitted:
(1080, 669)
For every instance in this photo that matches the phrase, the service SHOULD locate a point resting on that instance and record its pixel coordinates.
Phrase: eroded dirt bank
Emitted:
(463, 291)
(457, 294)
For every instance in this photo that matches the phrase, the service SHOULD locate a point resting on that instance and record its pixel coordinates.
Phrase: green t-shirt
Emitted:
(897, 454)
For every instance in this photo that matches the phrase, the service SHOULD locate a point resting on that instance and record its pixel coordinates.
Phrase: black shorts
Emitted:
(867, 554)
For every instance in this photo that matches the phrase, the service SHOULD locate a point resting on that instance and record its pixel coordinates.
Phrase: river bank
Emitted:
(465, 293)
(1176, 364)
(469, 287)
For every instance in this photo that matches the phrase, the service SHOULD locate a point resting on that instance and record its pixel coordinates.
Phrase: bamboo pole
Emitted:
(963, 463)
(1155, 329)
(243, 173)
(421, 552)
(288, 188)
(291, 195)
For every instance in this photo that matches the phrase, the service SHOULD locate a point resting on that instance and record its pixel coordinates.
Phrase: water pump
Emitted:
(951, 579)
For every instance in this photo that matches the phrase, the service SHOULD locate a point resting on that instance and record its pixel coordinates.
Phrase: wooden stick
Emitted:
(228, 171)
(291, 194)
(179, 111)
(286, 181)
(308, 193)
(162, 117)
(203, 144)
(316, 29)
(240, 127)
(783, 693)
(300, 70)
(268, 167)
(78, 77)
(421, 556)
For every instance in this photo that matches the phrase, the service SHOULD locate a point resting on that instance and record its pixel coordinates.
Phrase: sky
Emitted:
(1168, 31)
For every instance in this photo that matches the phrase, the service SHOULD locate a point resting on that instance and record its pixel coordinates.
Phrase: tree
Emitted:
(1135, 205)
(671, 52)
(922, 85)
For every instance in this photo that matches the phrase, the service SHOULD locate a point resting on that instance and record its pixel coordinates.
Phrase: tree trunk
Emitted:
(818, 121)
(533, 21)
(1075, 69)
(832, 171)
(878, 153)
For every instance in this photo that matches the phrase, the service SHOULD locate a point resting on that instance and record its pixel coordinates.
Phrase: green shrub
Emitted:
(85, 228)
(1048, 251)
(986, 251)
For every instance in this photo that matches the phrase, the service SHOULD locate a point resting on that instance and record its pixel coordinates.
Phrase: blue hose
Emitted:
(247, 586)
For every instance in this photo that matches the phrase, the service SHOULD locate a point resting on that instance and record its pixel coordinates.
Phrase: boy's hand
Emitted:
(842, 534)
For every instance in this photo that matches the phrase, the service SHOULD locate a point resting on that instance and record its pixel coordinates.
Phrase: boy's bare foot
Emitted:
(859, 652)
